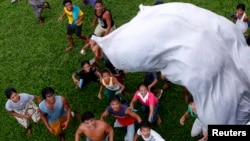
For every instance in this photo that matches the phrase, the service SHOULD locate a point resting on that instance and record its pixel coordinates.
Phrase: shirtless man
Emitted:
(94, 130)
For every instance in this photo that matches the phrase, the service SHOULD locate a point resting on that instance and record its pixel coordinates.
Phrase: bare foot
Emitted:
(41, 20)
(62, 137)
(158, 120)
(28, 132)
(69, 48)
(99, 96)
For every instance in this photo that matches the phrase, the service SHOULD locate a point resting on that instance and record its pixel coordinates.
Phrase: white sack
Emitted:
(192, 47)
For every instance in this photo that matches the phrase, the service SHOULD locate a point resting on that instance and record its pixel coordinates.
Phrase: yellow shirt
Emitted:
(70, 16)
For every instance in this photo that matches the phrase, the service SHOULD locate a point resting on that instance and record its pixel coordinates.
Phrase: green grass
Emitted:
(33, 56)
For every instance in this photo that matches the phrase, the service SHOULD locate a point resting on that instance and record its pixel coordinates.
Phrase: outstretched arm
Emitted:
(61, 17)
(27, 116)
(46, 123)
(122, 87)
(78, 133)
(104, 115)
(183, 118)
(76, 82)
(110, 132)
(133, 114)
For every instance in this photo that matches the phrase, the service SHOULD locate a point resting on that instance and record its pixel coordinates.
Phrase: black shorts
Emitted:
(74, 29)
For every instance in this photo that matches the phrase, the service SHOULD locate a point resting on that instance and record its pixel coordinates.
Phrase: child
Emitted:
(147, 133)
(149, 103)
(198, 126)
(241, 18)
(86, 74)
(75, 17)
(22, 107)
(125, 117)
(111, 84)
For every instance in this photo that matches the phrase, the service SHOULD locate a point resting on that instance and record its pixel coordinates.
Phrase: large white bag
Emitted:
(192, 47)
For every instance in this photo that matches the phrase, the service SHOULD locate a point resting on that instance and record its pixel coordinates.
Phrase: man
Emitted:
(55, 112)
(38, 6)
(22, 107)
(86, 74)
(75, 17)
(94, 130)
(104, 18)
(125, 117)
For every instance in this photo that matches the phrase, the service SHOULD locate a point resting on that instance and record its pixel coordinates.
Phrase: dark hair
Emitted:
(142, 84)
(9, 91)
(66, 1)
(84, 62)
(248, 40)
(105, 71)
(145, 123)
(241, 6)
(98, 1)
(47, 90)
(115, 98)
(87, 115)
(90, 35)
(190, 99)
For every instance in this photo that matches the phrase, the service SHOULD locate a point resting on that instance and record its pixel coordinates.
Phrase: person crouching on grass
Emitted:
(148, 101)
(75, 17)
(22, 107)
(55, 112)
(124, 116)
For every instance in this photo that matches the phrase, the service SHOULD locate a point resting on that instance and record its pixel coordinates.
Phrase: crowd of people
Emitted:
(54, 110)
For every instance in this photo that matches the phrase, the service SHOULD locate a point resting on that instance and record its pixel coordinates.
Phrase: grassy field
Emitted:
(33, 56)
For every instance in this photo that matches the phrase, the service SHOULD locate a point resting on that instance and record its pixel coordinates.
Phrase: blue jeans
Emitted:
(146, 109)
(130, 131)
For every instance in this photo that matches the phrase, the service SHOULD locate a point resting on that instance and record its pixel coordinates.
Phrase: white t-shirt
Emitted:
(154, 136)
(20, 105)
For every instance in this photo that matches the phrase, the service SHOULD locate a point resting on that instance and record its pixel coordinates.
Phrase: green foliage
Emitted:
(33, 56)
